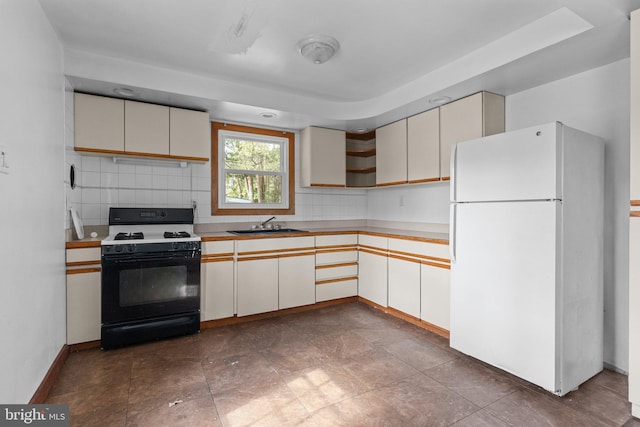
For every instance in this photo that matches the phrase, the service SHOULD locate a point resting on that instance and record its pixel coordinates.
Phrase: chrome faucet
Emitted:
(262, 224)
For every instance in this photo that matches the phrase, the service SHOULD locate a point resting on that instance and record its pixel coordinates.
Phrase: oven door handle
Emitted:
(121, 259)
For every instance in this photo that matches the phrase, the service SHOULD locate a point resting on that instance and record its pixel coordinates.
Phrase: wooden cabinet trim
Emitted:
(374, 252)
(335, 249)
(275, 251)
(386, 184)
(418, 181)
(342, 264)
(328, 185)
(635, 203)
(414, 255)
(83, 244)
(216, 259)
(81, 263)
(84, 270)
(435, 264)
(634, 214)
(404, 258)
(340, 279)
(222, 254)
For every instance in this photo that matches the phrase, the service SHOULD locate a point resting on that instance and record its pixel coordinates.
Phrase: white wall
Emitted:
(32, 272)
(596, 101)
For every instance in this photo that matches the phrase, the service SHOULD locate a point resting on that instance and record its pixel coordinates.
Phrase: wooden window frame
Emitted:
(215, 165)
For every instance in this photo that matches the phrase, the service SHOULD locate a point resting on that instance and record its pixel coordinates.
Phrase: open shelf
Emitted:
(362, 170)
(362, 153)
(361, 159)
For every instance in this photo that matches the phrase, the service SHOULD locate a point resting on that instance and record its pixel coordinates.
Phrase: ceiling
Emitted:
(238, 59)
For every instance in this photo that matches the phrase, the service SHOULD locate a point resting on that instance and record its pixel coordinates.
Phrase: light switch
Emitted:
(4, 162)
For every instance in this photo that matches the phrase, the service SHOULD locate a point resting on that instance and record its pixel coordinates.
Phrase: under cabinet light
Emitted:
(150, 162)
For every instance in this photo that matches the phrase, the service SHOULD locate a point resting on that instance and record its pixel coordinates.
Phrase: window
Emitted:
(252, 171)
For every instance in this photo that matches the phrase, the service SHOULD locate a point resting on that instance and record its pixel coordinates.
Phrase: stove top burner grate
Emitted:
(176, 234)
(129, 236)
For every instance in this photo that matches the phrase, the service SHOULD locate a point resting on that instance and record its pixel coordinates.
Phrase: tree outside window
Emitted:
(252, 171)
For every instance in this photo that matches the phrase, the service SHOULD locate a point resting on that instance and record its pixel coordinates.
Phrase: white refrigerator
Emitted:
(526, 241)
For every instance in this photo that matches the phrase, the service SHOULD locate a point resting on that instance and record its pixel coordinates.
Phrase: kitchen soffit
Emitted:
(239, 58)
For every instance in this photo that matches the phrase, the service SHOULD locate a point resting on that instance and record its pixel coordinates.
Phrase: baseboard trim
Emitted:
(235, 319)
(408, 318)
(42, 392)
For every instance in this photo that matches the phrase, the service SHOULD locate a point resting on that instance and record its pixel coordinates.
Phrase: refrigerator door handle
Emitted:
(452, 232)
(452, 179)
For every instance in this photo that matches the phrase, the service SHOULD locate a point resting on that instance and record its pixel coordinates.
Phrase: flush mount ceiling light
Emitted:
(439, 100)
(268, 115)
(318, 48)
(124, 91)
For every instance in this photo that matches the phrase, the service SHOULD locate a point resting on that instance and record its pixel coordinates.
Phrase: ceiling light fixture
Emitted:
(318, 48)
(439, 100)
(124, 91)
(268, 115)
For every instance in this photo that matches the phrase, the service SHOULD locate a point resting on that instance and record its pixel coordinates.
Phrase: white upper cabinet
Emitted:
(391, 153)
(98, 123)
(189, 134)
(115, 126)
(146, 128)
(323, 159)
(423, 146)
(475, 116)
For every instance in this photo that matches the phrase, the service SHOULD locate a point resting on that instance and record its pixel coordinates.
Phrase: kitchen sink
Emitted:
(267, 231)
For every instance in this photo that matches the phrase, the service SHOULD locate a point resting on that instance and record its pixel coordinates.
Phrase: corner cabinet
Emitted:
(84, 310)
(322, 157)
(110, 126)
(361, 159)
(475, 116)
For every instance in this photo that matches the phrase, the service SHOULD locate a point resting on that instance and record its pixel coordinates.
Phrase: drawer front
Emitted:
(218, 247)
(373, 241)
(84, 255)
(335, 290)
(337, 240)
(336, 272)
(336, 257)
(277, 244)
(435, 250)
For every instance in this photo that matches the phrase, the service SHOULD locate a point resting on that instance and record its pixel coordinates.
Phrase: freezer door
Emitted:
(503, 287)
(518, 165)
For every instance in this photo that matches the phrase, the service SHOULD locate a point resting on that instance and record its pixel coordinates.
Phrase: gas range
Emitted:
(150, 276)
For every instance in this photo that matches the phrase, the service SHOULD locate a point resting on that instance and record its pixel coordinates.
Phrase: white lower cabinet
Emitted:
(217, 288)
(275, 273)
(372, 269)
(435, 299)
(84, 295)
(336, 266)
(297, 282)
(404, 285)
(257, 286)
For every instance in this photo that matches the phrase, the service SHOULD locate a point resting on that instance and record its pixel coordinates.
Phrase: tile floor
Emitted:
(345, 365)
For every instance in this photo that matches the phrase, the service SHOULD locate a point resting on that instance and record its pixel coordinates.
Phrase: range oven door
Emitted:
(149, 285)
